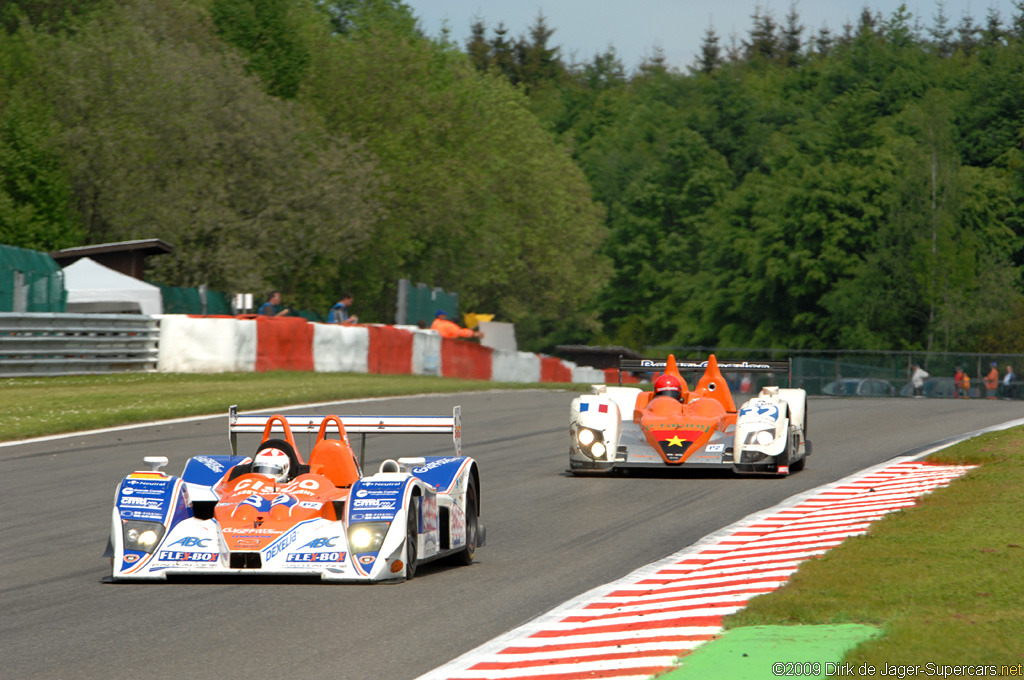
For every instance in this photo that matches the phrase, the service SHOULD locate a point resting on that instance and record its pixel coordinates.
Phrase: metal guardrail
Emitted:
(77, 344)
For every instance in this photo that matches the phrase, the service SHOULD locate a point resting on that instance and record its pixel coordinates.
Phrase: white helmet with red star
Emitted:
(272, 462)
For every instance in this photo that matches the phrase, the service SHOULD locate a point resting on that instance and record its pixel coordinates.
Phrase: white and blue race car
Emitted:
(275, 514)
(622, 427)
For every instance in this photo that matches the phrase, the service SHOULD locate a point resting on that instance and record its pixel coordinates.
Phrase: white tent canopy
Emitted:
(93, 288)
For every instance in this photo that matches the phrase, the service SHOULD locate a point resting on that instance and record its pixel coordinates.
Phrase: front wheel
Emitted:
(799, 465)
(468, 554)
(410, 544)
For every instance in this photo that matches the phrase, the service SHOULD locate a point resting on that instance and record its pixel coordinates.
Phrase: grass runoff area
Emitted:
(941, 583)
(39, 406)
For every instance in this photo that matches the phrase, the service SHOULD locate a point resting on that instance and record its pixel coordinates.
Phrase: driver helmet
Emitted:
(272, 462)
(668, 386)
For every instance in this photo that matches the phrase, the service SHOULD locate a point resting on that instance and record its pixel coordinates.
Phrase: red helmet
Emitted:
(668, 386)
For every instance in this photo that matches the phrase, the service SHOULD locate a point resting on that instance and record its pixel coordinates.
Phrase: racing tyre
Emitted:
(468, 554)
(410, 544)
(798, 465)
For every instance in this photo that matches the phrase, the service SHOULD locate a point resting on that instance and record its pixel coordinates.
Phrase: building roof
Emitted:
(146, 246)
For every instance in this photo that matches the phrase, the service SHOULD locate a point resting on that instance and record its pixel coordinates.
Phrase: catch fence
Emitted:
(842, 372)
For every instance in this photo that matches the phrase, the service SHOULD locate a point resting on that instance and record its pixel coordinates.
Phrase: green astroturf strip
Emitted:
(756, 652)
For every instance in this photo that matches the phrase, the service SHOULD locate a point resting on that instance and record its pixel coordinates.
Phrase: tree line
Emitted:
(857, 189)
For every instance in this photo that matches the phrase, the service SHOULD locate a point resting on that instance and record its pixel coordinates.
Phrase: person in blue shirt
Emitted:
(273, 307)
(339, 312)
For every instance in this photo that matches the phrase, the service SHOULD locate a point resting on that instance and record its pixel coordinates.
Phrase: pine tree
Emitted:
(710, 53)
(764, 40)
(790, 41)
(477, 48)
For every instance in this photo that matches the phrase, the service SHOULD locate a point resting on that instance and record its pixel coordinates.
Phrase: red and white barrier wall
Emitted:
(191, 344)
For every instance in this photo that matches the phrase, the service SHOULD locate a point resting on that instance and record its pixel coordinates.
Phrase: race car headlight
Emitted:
(585, 436)
(598, 450)
(759, 437)
(142, 536)
(367, 536)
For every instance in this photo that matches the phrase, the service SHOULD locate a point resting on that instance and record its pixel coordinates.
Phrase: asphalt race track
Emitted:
(550, 537)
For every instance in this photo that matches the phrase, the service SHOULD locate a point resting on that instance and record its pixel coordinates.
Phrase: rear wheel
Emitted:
(468, 554)
(410, 544)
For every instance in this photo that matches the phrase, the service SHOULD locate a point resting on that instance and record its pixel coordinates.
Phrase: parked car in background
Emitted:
(859, 387)
(934, 388)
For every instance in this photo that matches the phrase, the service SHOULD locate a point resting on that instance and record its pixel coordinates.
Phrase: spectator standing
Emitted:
(992, 381)
(958, 383)
(450, 329)
(1009, 383)
(917, 377)
(273, 306)
(339, 312)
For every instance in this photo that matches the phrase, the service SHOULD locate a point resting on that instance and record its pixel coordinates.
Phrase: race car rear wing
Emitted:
(692, 366)
(362, 425)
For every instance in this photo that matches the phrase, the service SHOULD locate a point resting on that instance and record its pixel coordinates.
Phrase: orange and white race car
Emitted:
(277, 514)
(674, 427)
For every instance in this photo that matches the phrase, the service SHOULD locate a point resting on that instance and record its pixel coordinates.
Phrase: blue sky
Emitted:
(584, 28)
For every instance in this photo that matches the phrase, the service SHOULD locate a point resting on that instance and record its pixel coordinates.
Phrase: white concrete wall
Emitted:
(340, 349)
(426, 352)
(586, 374)
(197, 345)
(509, 366)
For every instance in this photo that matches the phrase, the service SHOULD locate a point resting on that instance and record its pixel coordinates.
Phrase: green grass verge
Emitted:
(38, 406)
(943, 579)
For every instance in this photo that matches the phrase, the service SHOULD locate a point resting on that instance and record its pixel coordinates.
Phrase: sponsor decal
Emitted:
(279, 545)
(721, 364)
(674, 443)
(261, 532)
(132, 491)
(783, 470)
(317, 557)
(321, 543)
(363, 493)
(379, 503)
(435, 464)
(678, 426)
(146, 503)
(372, 517)
(312, 505)
(142, 483)
(191, 542)
(715, 448)
(367, 559)
(131, 559)
(674, 448)
(458, 526)
(147, 475)
(181, 556)
(642, 457)
(142, 514)
(210, 463)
